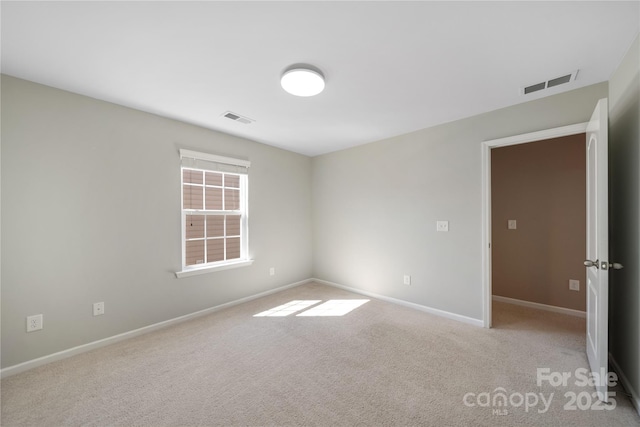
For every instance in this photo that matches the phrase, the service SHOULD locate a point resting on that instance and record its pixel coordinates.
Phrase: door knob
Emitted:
(589, 263)
(603, 265)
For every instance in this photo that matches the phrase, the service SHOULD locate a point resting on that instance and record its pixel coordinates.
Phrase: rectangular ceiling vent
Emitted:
(549, 84)
(238, 118)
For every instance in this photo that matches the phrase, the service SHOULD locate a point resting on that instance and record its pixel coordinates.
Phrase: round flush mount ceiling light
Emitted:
(302, 80)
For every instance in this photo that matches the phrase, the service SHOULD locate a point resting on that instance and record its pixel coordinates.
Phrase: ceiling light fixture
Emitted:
(302, 80)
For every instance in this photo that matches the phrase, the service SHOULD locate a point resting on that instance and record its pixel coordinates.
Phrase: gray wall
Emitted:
(375, 206)
(624, 220)
(91, 212)
(541, 185)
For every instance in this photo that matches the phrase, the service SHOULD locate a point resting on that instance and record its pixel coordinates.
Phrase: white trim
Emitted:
(539, 135)
(34, 363)
(486, 237)
(190, 154)
(635, 398)
(486, 198)
(539, 306)
(212, 268)
(430, 310)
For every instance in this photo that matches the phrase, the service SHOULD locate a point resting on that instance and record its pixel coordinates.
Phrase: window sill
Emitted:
(212, 268)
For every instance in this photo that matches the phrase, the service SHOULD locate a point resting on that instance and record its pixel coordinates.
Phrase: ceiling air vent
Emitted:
(549, 84)
(238, 118)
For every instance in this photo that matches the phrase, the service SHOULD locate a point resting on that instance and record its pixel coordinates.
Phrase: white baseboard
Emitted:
(635, 398)
(430, 310)
(30, 364)
(539, 306)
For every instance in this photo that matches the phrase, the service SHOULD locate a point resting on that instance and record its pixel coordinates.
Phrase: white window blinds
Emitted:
(212, 162)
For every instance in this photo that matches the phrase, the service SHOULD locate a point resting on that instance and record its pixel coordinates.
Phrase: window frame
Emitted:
(222, 165)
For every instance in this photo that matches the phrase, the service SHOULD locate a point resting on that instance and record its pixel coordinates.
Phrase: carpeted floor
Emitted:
(378, 365)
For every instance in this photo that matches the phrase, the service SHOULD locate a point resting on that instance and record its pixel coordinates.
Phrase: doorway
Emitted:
(487, 199)
(538, 199)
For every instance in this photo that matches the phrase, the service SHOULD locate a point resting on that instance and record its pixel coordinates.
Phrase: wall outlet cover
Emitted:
(442, 225)
(574, 285)
(34, 323)
(512, 224)
(98, 308)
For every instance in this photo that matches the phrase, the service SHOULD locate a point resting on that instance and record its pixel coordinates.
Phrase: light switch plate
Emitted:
(442, 225)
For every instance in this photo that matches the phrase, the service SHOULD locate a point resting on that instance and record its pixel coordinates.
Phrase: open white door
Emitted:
(597, 261)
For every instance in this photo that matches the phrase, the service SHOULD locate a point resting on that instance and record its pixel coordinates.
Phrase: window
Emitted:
(214, 212)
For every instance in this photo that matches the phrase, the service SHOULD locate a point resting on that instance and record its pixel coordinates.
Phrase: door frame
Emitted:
(487, 146)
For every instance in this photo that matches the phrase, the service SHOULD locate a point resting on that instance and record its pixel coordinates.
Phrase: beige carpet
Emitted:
(381, 364)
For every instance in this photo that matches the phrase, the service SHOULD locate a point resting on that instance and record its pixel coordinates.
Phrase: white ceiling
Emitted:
(391, 67)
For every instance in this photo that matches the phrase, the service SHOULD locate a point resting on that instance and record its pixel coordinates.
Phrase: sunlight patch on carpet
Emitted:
(288, 308)
(334, 307)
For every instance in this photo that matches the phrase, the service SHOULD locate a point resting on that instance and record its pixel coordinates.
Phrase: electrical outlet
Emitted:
(407, 279)
(272, 271)
(574, 285)
(442, 225)
(512, 224)
(98, 308)
(34, 323)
